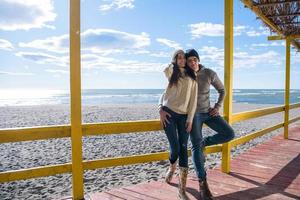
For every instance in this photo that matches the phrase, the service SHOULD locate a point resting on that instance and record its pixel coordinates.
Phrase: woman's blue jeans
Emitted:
(177, 136)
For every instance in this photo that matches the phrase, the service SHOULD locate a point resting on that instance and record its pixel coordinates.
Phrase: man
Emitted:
(205, 114)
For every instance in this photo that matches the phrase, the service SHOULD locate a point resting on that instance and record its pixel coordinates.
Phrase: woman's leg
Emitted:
(183, 137)
(171, 133)
(170, 130)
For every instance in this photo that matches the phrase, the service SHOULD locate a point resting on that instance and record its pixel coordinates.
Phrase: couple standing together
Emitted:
(184, 107)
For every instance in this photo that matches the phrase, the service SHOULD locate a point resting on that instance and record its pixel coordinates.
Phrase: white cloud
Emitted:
(25, 15)
(116, 4)
(16, 73)
(5, 45)
(42, 58)
(169, 43)
(93, 61)
(59, 71)
(214, 56)
(246, 60)
(105, 41)
(201, 29)
(206, 29)
(102, 40)
(270, 44)
(58, 44)
(161, 54)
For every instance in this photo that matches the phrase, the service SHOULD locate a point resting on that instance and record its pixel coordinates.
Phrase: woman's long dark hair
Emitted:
(176, 73)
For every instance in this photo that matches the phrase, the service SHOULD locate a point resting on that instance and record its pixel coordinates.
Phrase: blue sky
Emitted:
(127, 43)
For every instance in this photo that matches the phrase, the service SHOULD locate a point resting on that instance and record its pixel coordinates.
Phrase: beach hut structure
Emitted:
(281, 16)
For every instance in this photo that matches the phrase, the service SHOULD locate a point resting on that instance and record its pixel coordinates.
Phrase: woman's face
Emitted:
(181, 60)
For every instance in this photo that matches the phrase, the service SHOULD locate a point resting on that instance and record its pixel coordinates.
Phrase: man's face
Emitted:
(193, 63)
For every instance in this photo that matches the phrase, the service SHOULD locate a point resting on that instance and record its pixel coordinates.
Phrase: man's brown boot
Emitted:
(205, 193)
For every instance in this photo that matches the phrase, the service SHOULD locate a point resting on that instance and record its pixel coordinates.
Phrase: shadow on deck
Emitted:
(270, 170)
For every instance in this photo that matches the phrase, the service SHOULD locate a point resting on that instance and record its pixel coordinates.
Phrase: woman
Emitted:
(179, 101)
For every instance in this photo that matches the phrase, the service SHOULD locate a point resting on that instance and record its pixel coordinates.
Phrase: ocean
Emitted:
(133, 96)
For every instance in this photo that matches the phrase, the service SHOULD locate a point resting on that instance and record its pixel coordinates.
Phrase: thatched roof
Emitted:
(282, 17)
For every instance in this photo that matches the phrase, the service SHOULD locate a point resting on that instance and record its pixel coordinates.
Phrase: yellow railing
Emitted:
(64, 131)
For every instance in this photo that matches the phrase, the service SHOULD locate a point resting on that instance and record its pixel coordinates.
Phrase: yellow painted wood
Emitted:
(228, 77)
(294, 120)
(75, 86)
(278, 37)
(287, 87)
(121, 127)
(251, 136)
(35, 172)
(256, 113)
(144, 158)
(228, 59)
(226, 157)
(294, 105)
(34, 133)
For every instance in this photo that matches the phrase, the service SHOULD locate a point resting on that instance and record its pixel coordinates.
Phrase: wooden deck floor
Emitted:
(268, 171)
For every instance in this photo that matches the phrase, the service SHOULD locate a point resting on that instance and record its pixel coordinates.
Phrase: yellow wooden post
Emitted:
(228, 77)
(75, 86)
(287, 87)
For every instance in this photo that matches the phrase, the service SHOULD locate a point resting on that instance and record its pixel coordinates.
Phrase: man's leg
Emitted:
(224, 131)
(198, 156)
(197, 147)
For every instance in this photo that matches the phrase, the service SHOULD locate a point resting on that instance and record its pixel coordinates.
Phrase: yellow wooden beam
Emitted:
(251, 136)
(34, 133)
(228, 77)
(287, 87)
(121, 127)
(294, 105)
(278, 37)
(144, 158)
(35, 172)
(75, 86)
(294, 120)
(228, 59)
(241, 116)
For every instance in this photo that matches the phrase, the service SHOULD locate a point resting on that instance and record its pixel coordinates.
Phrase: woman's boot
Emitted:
(183, 172)
(205, 193)
(170, 172)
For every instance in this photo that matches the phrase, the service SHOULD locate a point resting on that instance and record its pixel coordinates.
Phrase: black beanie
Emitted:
(191, 52)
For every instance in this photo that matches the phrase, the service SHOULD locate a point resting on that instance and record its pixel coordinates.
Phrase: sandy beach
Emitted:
(22, 155)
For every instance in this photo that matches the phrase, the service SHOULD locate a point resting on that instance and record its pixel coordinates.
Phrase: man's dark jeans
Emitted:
(224, 134)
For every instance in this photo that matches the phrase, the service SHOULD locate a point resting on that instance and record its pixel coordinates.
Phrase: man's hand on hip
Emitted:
(214, 111)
